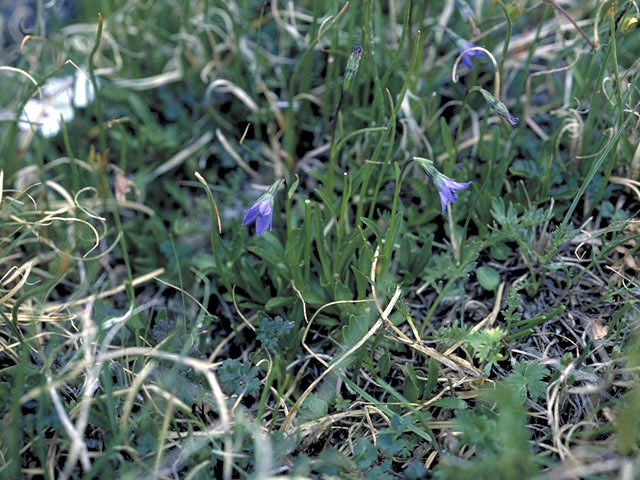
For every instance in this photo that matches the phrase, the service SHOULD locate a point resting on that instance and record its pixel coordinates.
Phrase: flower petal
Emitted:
(513, 121)
(251, 214)
(262, 223)
(265, 206)
(447, 190)
(466, 61)
(447, 196)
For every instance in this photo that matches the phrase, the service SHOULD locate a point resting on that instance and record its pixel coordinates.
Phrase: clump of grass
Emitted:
(472, 318)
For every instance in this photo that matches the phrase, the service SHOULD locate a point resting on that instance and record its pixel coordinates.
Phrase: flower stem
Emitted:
(101, 138)
(505, 47)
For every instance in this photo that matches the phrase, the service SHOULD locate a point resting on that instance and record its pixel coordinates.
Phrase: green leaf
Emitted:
(432, 377)
(410, 390)
(384, 365)
(237, 378)
(529, 375)
(488, 277)
(276, 303)
(373, 226)
(355, 329)
(446, 137)
(415, 470)
(452, 403)
(269, 257)
(365, 453)
(316, 405)
(293, 187)
(270, 330)
(627, 422)
(499, 251)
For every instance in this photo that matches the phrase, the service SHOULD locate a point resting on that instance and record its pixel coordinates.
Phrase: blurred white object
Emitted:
(60, 95)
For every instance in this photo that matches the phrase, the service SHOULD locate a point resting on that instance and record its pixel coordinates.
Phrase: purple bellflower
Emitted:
(447, 188)
(468, 54)
(262, 210)
(464, 48)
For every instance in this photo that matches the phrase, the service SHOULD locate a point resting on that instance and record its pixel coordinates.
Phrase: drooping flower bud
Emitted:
(352, 66)
(500, 108)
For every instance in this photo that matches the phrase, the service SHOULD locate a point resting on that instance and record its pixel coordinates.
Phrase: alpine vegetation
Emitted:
(286, 240)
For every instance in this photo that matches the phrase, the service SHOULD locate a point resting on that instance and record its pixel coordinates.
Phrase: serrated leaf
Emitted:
(237, 378)
(415, 470)
(529, 375)
(270, 330)
(365, 453)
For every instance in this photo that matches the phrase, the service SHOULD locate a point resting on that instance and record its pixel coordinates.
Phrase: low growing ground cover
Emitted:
(315, 239)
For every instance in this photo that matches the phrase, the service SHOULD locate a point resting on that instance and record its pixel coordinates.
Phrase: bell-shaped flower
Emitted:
(447, 188)
(467, 49)
(262, 210)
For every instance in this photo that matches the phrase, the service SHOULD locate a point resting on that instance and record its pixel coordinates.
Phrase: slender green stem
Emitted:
(456, 147)
(594, 112)
(435, 304)
(389, 239)
(75, 177)
(342, 220)
(290, 132)
(307, 241)
(215, 233)
(101, 137)
(333, 152)
(392, 121)
(183, 322)
(614, 54)
(505, 46)
(369, 59)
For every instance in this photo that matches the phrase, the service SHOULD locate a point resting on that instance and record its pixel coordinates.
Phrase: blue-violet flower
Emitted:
(465, 49)
(467, 54)
(447, 188)
(262, 210)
